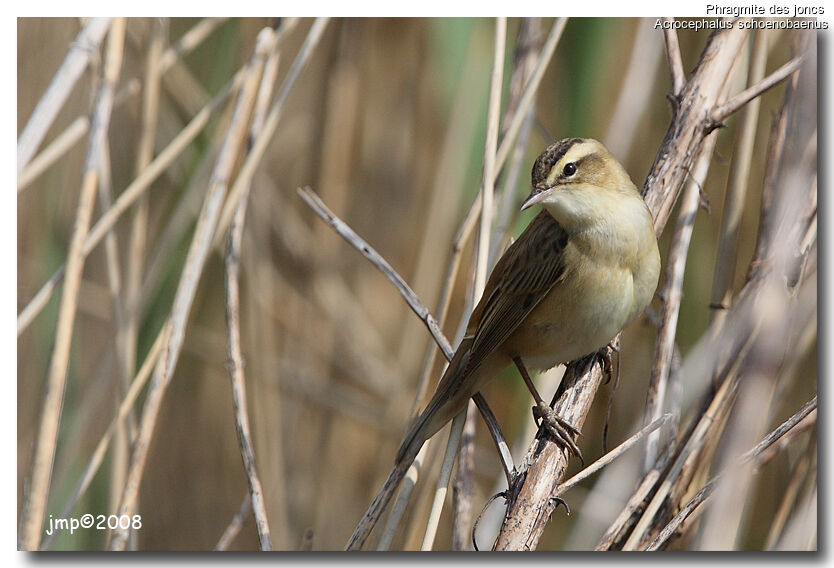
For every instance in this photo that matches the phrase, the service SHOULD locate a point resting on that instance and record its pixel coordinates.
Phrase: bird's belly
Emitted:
(571, 323)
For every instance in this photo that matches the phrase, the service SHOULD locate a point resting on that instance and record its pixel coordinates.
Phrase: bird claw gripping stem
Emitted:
(557, 427)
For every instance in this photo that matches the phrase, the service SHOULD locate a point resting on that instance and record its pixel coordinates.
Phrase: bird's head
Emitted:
(576, 176)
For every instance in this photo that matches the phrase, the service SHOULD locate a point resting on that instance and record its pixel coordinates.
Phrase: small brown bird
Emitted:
(579, 273)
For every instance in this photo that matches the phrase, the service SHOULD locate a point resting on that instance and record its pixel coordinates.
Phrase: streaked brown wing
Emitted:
(522, 277)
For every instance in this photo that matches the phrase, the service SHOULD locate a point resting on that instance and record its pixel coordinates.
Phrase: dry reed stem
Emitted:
(233, 252)
(124, 409)
(237, 522)
(62, 144)
(529, 92)
(42, 461)
(237, 376)
(86, 44)
(490, 147)
(747, 95)
(673, 58)
(463, 507)
(390, 486)
(462, 491)
(259, 145)
(144, 156)
(443, 480)
(672, 294)
(745, 321)
(705, 492)
(808, 422)
(545, 464)
(691, 122)
(128, 314)
(122, 380)
(184, 297)
(399, 506)
(79, 127)
(612, 455)
(524, 63)
(773, 167)
(465, 229)
(133, 191)
(737, 185)
(635, 96)
(344, 231)
(188, 42)
(798, 475)
(530, 508)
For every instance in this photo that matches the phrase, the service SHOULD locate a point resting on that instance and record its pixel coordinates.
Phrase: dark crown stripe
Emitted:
(550, 157)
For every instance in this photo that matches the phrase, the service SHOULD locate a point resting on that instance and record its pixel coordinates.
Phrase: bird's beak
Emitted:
(536, 196)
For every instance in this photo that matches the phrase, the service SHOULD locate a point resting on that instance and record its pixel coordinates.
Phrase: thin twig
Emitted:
(136, 188)
(742, 98)
(463, 516)
(86, 45)
(672, 294)
(188, 42)
(237, 522)
(389, 487)
(612, 455)
(258, 149)
(443, 480)
(79, 127)
(344, 231)
(41, 472)
(124, 409)
(636, 92)
(673, 57)
(737, 186)
(236, 366)
(187, 287)
(706, 491)
(687, 129)
(798, 474)
(530, 91)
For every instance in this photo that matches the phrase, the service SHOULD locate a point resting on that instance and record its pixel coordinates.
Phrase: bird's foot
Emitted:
(562, 430)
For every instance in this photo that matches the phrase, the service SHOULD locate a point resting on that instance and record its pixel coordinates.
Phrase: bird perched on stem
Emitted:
(580, 272)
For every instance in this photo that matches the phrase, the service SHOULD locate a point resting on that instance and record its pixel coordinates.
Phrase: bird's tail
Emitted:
(450, 398)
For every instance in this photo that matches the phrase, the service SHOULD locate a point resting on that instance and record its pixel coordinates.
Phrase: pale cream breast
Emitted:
(573, 321)
(612, 278)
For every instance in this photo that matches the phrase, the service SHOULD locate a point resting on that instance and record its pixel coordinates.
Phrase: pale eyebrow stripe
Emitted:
(554, 171)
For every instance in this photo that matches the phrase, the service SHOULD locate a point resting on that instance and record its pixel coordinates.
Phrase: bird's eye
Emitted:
(569, 169)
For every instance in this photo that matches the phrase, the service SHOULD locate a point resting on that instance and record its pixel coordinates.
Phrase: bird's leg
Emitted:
(606, 354)
(557, 426)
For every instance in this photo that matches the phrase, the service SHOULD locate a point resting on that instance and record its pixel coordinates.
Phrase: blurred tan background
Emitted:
(387, 125)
